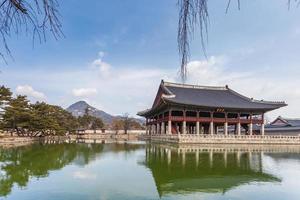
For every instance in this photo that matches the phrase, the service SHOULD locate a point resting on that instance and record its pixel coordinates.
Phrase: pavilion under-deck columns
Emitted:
(226, 128)
(262, 129)
(169, 123)
(184, 123)
(169, 127)
(251, 129)
(162, 128)
(197, 124)
(154, 129)
(211, 124)
(250, 126)
(238, 126)
(197, 128)
(183, 127)
(157, 128)
(226, 125)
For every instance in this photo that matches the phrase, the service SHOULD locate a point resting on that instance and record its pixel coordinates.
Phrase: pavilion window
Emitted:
(218, 115)
(191, 114)
(244, 116)
(232, 115)
(177, 113)
(204, 114)
(166, 114)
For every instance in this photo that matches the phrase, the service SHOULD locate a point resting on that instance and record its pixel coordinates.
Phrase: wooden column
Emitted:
(226, 125)
(169, 123)
(157, 125)
(163, 128)
(147, 127)
(262, 129)
(239, 125)
(250, 126)
(211, 125)
(197, 124)
(184, 123)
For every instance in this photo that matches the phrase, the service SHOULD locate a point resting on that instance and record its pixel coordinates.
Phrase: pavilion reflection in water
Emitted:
(183, 170)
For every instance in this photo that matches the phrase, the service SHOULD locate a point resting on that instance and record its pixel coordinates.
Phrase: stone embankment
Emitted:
(223, 139)
(7, 140)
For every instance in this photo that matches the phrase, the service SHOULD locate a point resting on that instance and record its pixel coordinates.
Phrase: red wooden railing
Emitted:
(206, 120)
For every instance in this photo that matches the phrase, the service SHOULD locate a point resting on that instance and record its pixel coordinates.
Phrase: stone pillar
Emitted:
(184, 124)
(170, 123)
(183, 127)
(154, 129)
(250, 126)
(226, 125)
(157, 128)
(262, 128)
(226, 128)
(169, 127)
(238, 126)
(197, 124)
(147, 127)
(163, 128)
(211, 125)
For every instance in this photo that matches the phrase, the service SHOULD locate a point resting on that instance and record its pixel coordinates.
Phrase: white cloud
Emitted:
(133, 88)
(259, 84)
(29, 91)
(101, 54)
(84, 92)
(104, 67)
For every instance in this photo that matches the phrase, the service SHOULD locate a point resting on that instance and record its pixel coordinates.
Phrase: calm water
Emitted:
(139, 171)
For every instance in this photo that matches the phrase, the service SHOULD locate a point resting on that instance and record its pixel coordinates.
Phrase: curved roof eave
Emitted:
(169, 100)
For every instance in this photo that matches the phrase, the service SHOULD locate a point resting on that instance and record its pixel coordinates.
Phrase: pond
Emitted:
(148, 171)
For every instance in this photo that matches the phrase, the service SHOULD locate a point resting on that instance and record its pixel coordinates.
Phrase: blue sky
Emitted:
(116, 52)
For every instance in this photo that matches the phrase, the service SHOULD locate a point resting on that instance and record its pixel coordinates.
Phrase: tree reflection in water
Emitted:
(19, 164)
(183, 170)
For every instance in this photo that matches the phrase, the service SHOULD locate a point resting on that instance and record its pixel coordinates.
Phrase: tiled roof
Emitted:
(215, 97)
(210, 97)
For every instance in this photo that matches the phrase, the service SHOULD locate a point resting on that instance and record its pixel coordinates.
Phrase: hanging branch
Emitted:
(194, 14)
(31, 16)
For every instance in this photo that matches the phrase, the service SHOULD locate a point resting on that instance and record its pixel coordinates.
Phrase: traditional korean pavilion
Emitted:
(192, 109)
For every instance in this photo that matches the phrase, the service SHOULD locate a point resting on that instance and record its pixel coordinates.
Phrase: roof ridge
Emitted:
(268, 102)
(183, 85)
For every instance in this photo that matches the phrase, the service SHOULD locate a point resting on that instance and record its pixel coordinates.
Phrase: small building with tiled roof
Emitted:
(192, 109)
(283, 126)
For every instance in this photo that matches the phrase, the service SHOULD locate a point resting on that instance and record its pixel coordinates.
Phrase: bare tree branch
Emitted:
(31, 16)
(194, 14)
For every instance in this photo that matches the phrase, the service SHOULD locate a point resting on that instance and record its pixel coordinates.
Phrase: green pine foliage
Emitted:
(40, 119)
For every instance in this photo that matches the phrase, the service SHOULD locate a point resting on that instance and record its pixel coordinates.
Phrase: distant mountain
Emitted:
(78, 109)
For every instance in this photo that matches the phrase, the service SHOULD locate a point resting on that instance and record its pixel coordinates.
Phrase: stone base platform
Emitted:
(223, 139)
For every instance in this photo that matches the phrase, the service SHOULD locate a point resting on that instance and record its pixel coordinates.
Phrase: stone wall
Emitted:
(223, 139)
